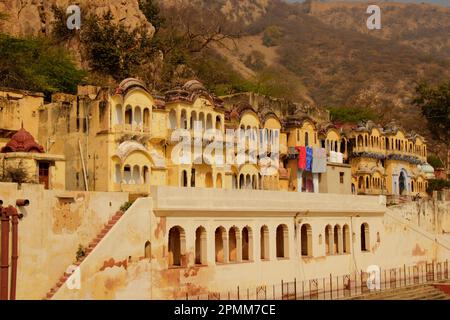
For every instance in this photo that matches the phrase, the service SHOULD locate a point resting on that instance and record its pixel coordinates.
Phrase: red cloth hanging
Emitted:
(301, 157)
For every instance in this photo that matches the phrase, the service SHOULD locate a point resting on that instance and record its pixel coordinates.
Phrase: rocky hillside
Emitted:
(424, 27)
(35, 17)
(318, 53)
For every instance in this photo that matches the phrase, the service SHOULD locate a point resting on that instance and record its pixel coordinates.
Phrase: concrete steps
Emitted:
(418, 292)
(108, 226)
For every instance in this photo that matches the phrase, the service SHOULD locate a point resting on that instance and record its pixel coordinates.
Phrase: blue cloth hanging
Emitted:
(309, 158)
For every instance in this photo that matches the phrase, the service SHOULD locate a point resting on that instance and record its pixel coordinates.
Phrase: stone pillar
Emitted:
(238, 247)
(299, 180)
(316, 182)
(226, 252)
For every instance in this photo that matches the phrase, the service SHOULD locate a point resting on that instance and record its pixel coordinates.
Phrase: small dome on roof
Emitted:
(22, 141)
(130, 83)
(427, 168)
(193, 85)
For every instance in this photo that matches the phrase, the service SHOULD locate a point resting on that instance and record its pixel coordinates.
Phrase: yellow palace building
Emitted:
(119, 140)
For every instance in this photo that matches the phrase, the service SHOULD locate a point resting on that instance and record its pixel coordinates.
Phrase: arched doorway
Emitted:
(402, 183)
(176, 246)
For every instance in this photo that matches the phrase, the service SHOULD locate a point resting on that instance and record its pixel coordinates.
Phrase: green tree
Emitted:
(60, 31)
(435, 161)
(152, 12)
(38, 65)
(435, 104)
(114, 49)
(352, 114)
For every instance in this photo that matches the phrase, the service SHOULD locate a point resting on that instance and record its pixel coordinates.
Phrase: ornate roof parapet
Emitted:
(265, 113)
(372, 155)
(129, 84)
(191, 91)
(410, 159)
(238, 110)
(296, 121)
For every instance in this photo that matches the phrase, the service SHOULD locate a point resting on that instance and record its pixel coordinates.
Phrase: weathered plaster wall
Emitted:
(54, 225)
(121, 267)
(118, 268)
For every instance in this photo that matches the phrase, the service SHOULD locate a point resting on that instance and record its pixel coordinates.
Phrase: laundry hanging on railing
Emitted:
(301, 157)
(312, 159)
(336, 157)
(309, 158)
(319, 164)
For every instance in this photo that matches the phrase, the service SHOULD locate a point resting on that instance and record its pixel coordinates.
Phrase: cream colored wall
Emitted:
(119, 269)
(330, 181)
(54, 225)
(296, 136)
(30, 163)
(105, 275)
(249, 119)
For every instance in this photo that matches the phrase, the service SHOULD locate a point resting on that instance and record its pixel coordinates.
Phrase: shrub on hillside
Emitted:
(38, 65)
(352, 114)
(437, 185)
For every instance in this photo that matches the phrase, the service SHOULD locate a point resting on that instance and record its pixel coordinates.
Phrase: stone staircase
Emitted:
(111, 223)
(418, 292)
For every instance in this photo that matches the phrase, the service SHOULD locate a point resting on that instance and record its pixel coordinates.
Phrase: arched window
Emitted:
(365, 244)
(220, 238)
(248, 182)
(201, 118)
(183, 120)
(176, 246)
(306, 139)
(148, 250)
(146, 117)
(118, 173)
(137, 116)
(127, 174)
(136, 175)
(255, 182)
(306, 240)
(219, 181)
(194, 120)
(360, 183)
(241, 181)
(119, 114)
(200, 246)
(209, 124)
(184, 179)
(367, 183)
(233, 248)
(337, 239)
(172, 119)
(264, 238)
(218, 123)
(209, 180)
(247, 244)
(193, 177)
(282, 241)
(129, 115)
(328, 240)
(234, 181)
(346, 239)
(145, 175)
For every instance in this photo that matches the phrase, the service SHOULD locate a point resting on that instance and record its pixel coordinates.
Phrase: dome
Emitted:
(427, 168)
(22, 141)
(193, 85)
(130, 83)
